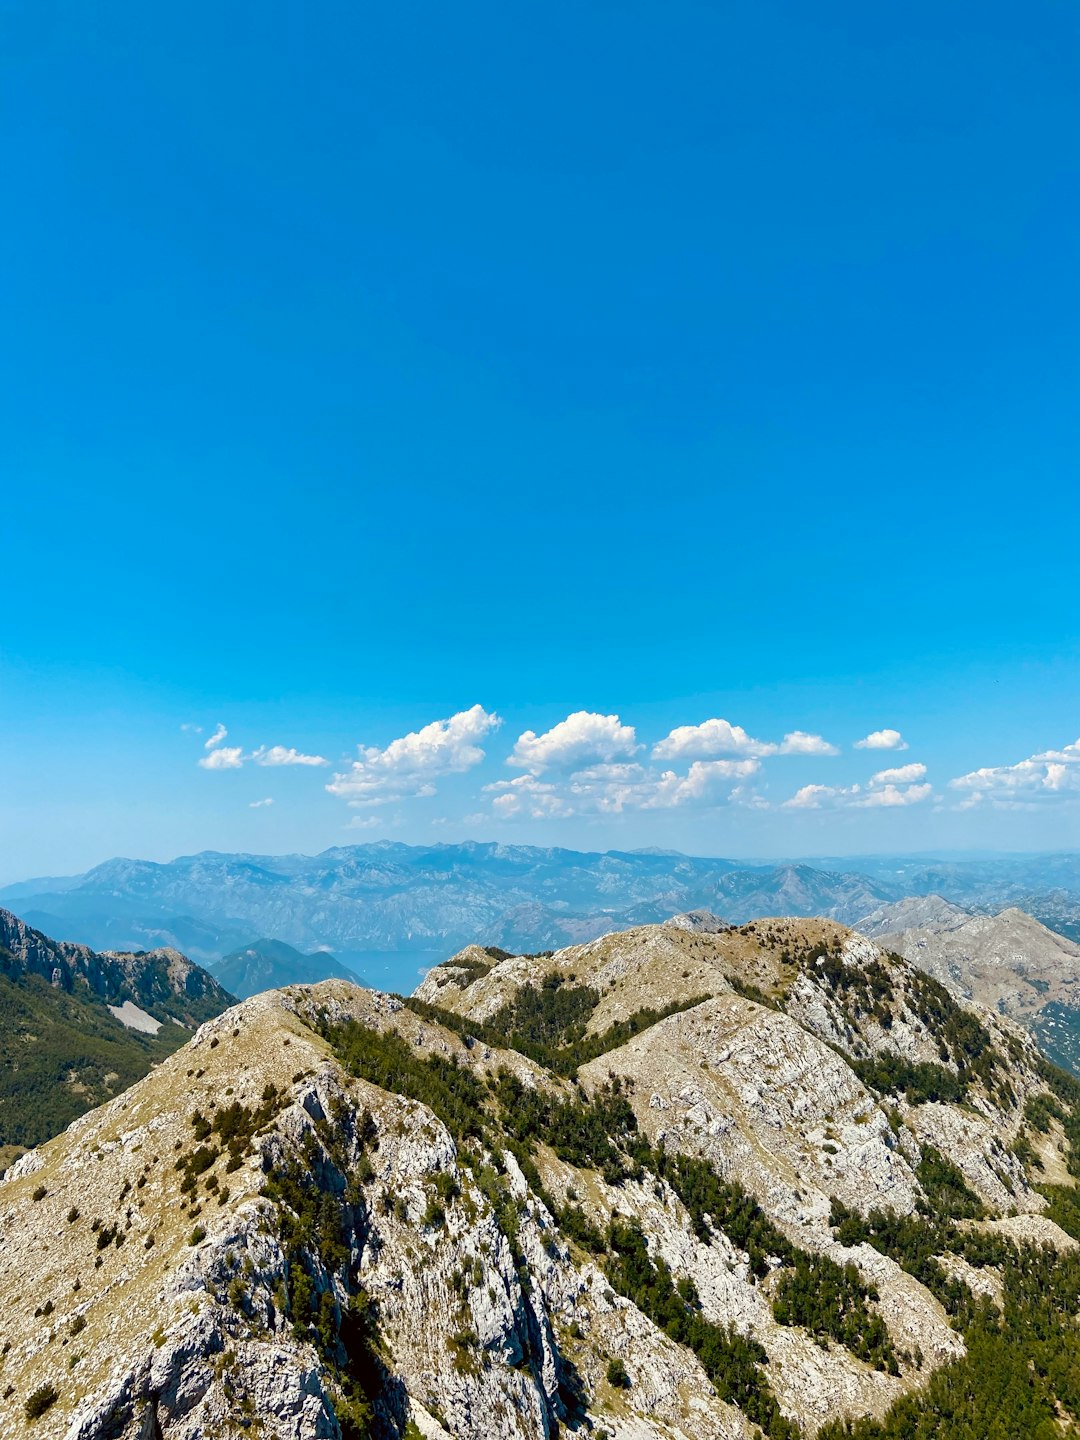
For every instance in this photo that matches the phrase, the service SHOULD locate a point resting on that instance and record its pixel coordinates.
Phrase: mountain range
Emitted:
(388, 911)
(693, 1181)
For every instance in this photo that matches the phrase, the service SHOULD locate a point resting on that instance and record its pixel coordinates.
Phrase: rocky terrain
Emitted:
(688, 1181)
(1008, 961)
(77, 1026)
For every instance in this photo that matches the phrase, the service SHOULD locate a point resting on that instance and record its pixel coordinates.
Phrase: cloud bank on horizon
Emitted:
(592, 765)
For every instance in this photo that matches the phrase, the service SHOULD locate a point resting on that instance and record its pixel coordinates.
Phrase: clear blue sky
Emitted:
(363, 364)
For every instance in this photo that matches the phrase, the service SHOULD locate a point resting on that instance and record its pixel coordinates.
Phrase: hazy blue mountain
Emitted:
(1044, 885)
(387, 909)
(269, 964)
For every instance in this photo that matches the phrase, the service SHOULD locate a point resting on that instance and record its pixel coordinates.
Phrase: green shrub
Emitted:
(617, 1376)
(42, 1399)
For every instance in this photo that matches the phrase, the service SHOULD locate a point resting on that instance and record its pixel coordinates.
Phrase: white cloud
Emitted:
(707, 782)
(882, 740)
(190, 729)
(280, 755)
(365, 822)
(583, 738)
(798, 742)
(891, 795)
(610, 789)
(225, 758)
(1041, 779)
(899, 775)
(835, 797)
(814, 797)
(720, 737)
(710, 738)
(260, 804)
(528, 797)
(406, 767)
(216, 738)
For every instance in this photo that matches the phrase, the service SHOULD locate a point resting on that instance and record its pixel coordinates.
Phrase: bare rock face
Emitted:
(335, 1213)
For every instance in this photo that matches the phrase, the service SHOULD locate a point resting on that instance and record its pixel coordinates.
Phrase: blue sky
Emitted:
(365, 364)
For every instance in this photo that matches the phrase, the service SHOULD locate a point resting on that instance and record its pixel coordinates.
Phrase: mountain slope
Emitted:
(914, 912)
(76, 1026)
(334, 1213)
(1010, 962)
(271, 964)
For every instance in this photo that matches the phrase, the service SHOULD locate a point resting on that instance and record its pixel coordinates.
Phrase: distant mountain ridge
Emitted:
(427, 901)
(398, 898)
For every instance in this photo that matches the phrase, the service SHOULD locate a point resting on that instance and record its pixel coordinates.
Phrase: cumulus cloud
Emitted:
(899, 775)
(283, 755)
(232, 757)
(814, 797)
(583, 738)
(891, 795)
(888, 795)
(365, 822)
(1041, 779)
(882, 740)
(798, 742)
(260, 804)
(407, 767)
(227, 757)
(612, 788)
(706, 782)
(190, 729)
(711, 737)
(720, 737)
(528, 797)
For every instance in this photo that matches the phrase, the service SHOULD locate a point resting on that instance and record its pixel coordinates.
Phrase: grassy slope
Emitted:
(61, 1055)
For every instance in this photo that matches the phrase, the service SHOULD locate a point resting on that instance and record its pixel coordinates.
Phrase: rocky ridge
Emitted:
(1009, 962)
(163, 982)
(598, 1191)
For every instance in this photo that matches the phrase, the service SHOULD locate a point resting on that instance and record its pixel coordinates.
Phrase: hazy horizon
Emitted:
(825, 859)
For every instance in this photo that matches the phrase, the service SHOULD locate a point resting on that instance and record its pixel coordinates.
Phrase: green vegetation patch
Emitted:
(545, 1014)
(1020, 1376)
(61, 1055)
